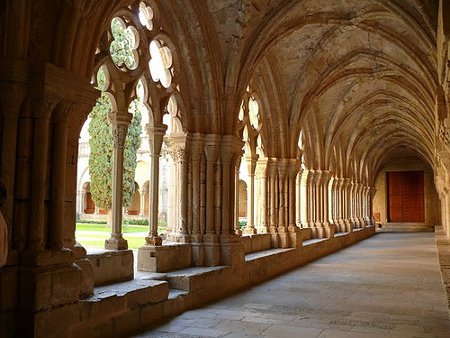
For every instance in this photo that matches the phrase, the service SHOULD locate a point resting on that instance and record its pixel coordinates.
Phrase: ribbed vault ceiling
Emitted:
(357, 76)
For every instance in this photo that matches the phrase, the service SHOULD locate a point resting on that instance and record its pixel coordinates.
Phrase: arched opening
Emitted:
(242, 201)
(135, 206)
(88, 202)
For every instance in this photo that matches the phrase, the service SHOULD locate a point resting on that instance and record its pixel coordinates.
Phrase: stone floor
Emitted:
(386, 286)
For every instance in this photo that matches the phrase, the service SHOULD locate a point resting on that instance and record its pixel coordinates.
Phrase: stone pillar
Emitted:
(195, 206)
(372, 192)
(282, 205)
(332, 202)
(12, 95)
(211, 238)
(327, 221)
(273, 212)
(304, 199)
(354, 199)
(178, 151)
(261, 174)
(237, 228)
(318, 205)
(251, 168)
(347, 206)
(360, 205)
(58, 182)
(119, 123)
(155, 139)
(197, 156)
(45, 102)
(340, 204)
(232, 251)
(293, 194)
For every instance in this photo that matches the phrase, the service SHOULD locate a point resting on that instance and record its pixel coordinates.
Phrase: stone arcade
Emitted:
(305, 106)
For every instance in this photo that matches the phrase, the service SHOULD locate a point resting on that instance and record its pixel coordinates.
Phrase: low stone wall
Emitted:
(164, 258)
(443, 248)
(255, 243)
(128, 307)
(112, 266)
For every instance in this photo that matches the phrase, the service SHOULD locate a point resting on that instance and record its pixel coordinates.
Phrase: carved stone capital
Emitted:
(155, 138)
(261, 168)
(119, 124)
(196, 148)
(178, 154)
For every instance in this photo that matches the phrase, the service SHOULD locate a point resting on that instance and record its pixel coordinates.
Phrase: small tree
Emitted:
(100, 159)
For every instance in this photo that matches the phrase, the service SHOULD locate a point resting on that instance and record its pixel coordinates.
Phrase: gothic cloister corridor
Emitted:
(386, 286)
(159, 155)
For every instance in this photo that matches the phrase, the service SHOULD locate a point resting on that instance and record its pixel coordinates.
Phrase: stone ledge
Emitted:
(164, 258)
(111, 266)
(443, 249)
(125, 308)
(257, 242)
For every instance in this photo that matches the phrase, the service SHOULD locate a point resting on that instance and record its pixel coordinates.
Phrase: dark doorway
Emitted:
(406, 196)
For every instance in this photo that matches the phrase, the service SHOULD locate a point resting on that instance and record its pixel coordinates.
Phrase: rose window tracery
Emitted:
(123, 49)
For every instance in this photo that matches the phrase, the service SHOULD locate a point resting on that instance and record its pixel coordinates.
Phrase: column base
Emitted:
(295, 236)
(232, 253)
(116, 244)
(211, 248)
(153, 240)
(249, 230)
(274, 238)
(178, 238)
(283, 237)
(348, 225)
(342, 226)
(198, 254)
(362, 224)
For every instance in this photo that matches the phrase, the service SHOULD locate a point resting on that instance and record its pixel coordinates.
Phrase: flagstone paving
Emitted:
(386, 286)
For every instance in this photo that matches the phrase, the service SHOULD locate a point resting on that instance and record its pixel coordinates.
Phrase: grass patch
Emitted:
(94, 235)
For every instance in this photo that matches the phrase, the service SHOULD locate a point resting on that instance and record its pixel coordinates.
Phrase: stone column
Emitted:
(58, 183)
(304, 199)
(360, 205)
(155, 138)
(197, 156)
(347, 206)
(273, 197)
(237, 228)
(355, 205)
(317, 200)
(251, 168)
(178, 151)
(211, 238)
(12, 95)
(45, 102)
(333, 203)
(295, 236)
(282, 203)
(298, 217)
(329, 227)
(373, 190)
(119, 123)
(261, 174)
(231, 249)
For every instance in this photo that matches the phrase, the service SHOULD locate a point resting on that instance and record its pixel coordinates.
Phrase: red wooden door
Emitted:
(406, 196)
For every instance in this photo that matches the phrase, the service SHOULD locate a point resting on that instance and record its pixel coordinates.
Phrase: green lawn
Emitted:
(94, 235)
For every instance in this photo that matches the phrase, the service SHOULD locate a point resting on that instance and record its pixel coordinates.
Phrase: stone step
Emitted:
(404, 227)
